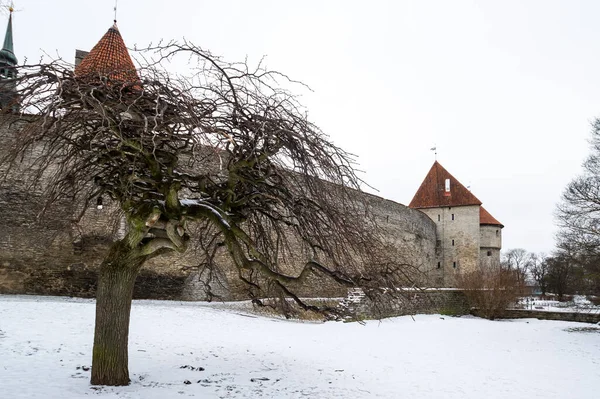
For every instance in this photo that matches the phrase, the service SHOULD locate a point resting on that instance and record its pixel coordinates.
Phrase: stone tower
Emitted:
(9, 100)
(468, 236)
(491, 239)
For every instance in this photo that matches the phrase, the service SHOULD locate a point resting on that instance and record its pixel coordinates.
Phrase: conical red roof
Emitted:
(486, 218)
(433, 193)
(109, 59)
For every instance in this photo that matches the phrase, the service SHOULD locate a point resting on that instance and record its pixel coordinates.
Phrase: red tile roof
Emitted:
(433, 194)
(109, 59)
(486, 218)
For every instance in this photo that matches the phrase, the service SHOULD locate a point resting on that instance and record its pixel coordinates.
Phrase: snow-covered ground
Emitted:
(192, 350)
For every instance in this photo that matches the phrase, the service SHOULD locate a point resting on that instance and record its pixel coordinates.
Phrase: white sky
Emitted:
(506, 89)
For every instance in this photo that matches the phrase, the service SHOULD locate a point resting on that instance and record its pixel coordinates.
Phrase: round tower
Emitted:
(491, 239)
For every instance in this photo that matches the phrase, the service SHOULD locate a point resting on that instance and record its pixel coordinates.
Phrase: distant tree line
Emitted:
(562, 273)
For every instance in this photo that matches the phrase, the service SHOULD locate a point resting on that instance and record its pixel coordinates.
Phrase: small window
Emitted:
(497, 233)
(452, 242)
(452, 216)
(387, 218)
(439, 217)
(99, 204)
(439, 264)
(489, 253)
(454, 265)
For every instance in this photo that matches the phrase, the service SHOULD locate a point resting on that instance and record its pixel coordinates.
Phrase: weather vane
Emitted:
(434, 149)
(116, 3)
(10, 7)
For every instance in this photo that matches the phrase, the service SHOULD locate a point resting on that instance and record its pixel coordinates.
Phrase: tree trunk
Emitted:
(113, 306)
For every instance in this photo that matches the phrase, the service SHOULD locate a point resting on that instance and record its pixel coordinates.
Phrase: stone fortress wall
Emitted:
(53, 255)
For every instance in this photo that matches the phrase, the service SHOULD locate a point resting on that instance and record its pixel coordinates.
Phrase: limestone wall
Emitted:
(489, 257)
(458, 238)
(580, 317)
(491, 243)
(410, 230)
(451, 302)
(490, 236)
(54, 253)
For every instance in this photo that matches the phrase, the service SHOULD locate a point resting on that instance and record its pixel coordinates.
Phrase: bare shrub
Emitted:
(490, 291)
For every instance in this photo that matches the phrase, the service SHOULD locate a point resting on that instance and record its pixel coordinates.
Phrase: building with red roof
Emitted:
(468, 236)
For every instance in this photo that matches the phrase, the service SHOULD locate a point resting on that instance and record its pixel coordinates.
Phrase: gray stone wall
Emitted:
(451, 302)
(458, 238)
(580, 317)
(491, 243)
(46, 250)
(491, 236)
(489, 257)
(55, 253)
(411, 231)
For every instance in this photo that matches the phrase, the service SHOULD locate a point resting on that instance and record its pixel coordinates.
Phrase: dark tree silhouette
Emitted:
(519, 262)
(222, 156)
(539, 270)
(578, 216)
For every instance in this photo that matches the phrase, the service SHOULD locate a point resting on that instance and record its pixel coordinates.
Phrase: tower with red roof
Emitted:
(108, 61)
(468, 236)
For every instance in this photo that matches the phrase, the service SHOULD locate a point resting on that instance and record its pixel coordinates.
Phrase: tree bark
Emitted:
(113, 307)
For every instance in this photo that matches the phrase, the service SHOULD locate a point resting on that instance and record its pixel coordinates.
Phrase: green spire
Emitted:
(7, 54)
(8, 40)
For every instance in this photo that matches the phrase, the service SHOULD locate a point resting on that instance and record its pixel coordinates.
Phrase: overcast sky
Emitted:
(505, 89)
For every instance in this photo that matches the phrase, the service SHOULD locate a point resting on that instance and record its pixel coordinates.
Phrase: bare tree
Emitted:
(560, 274)
(518, 261)
(578, 215)
(539, 270)
(220, 157)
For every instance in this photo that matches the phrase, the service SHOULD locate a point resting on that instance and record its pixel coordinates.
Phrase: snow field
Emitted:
(192, 350)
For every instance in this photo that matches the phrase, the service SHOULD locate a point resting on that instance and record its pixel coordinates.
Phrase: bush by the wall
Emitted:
(490, 291)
